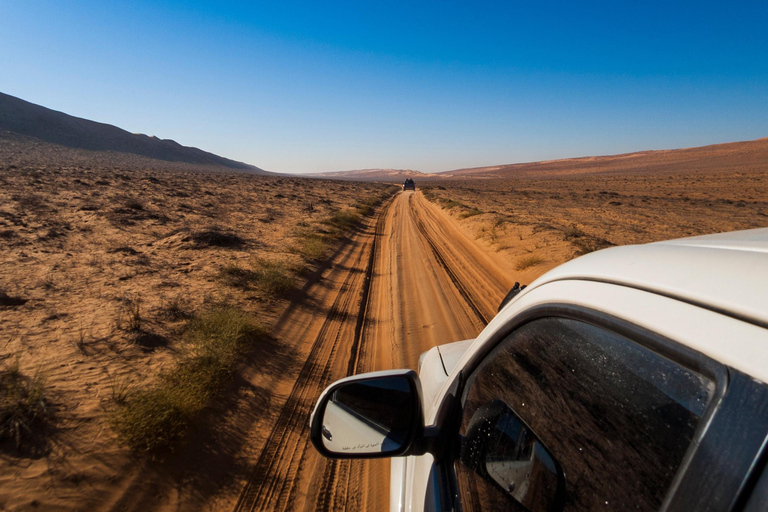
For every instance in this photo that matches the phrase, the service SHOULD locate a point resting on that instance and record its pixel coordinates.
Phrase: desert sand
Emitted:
(82, 248)
(86, 253)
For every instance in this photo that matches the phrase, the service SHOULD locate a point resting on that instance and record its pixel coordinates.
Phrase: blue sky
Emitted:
(432, 85)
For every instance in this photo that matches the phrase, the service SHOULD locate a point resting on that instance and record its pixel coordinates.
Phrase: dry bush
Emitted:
(469, 213)
(589, 244)
(155, 419)
(8, 301)
(26, 412)
(341, 221)
(129, 315)
(176, 309)
(528, 261)
(215, 236)
(273, 277)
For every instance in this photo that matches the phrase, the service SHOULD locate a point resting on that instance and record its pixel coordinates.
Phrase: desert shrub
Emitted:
(590, 244)
(31, 201)
(129, 314)
(571, 232)
(469, 213)
(176, 309)
(342, 220)
(7, 300)
(447, 204)
(237, 276)
(155, 419)
(133, 203)
(313, 248)
(314, 242)
(528, 261)
(366, 206)
(216, 237)
(429, 194)
(273, 276)
(25, 411)
(121, 389)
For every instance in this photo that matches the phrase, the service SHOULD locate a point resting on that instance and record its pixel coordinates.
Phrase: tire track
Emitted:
(272, 484)
(340, 470)
(448, 270)
(289, 474)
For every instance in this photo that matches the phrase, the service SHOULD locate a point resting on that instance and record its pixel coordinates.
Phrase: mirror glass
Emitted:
(504, 452)
(371, 416)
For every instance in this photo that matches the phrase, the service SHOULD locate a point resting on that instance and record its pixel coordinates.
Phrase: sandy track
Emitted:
(409, 280)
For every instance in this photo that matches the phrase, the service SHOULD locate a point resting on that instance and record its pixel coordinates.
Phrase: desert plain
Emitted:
(118, 276)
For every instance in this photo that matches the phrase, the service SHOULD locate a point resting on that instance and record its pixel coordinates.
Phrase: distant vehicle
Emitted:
(632, 378)
(408, 184)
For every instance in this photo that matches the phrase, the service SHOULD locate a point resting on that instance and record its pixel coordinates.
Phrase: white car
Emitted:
(632, 378)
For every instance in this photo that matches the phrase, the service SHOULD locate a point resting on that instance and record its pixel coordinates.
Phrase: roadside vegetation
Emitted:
(272, 277)
(26, 411)
(154, 419)
(140, 305)
(528, 262)
(313, 240)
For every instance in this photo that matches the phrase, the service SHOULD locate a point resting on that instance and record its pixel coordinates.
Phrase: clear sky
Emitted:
(429, 85)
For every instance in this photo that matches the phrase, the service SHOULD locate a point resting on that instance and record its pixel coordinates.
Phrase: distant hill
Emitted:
(26, 119)
(386, 175)
(731, 156)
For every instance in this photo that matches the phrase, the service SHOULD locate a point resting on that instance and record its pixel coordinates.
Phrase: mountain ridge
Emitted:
(31, 120)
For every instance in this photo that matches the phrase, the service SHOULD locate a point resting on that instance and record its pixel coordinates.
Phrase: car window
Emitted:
(564, 414)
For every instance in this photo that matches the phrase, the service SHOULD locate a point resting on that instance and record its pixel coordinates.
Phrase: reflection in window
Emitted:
(507, 454)
(616, 416)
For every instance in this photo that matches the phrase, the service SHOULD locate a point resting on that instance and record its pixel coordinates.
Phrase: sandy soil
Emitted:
(78, 245)
(438, 271)
(78, 249)
(534, 224)
(428, 284)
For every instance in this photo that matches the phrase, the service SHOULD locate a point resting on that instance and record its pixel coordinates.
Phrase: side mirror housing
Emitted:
(371, 415)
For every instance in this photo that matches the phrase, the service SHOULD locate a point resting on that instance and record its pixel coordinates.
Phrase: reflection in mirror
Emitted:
(507, 454)
(370, 416)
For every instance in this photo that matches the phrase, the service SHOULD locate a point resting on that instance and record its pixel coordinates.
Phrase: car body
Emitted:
(632, 377)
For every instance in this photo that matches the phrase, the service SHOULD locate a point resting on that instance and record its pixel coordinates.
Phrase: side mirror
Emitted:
(505, 452)
(368, 416)
(511, 294)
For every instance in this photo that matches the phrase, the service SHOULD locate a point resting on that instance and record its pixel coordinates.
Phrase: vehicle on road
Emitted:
(409, 184)
(630, 378)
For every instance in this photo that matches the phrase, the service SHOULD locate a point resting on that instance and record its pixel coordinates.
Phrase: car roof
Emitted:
(725, 272)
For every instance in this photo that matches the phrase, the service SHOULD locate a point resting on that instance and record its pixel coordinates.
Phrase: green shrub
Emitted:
(273, 276)
(313, 248)
(447, 204)
(237, 276)
(155, 419)
(469, 213)
(342, 220)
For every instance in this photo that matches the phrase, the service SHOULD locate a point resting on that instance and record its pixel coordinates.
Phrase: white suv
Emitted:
(633, 378)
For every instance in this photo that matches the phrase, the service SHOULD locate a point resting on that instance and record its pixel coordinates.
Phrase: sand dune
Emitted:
(715, 158)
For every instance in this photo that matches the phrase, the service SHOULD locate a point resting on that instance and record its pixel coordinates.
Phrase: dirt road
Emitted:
(409, 280)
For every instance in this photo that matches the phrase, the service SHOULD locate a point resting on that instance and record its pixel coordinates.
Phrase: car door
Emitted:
(576, 410)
